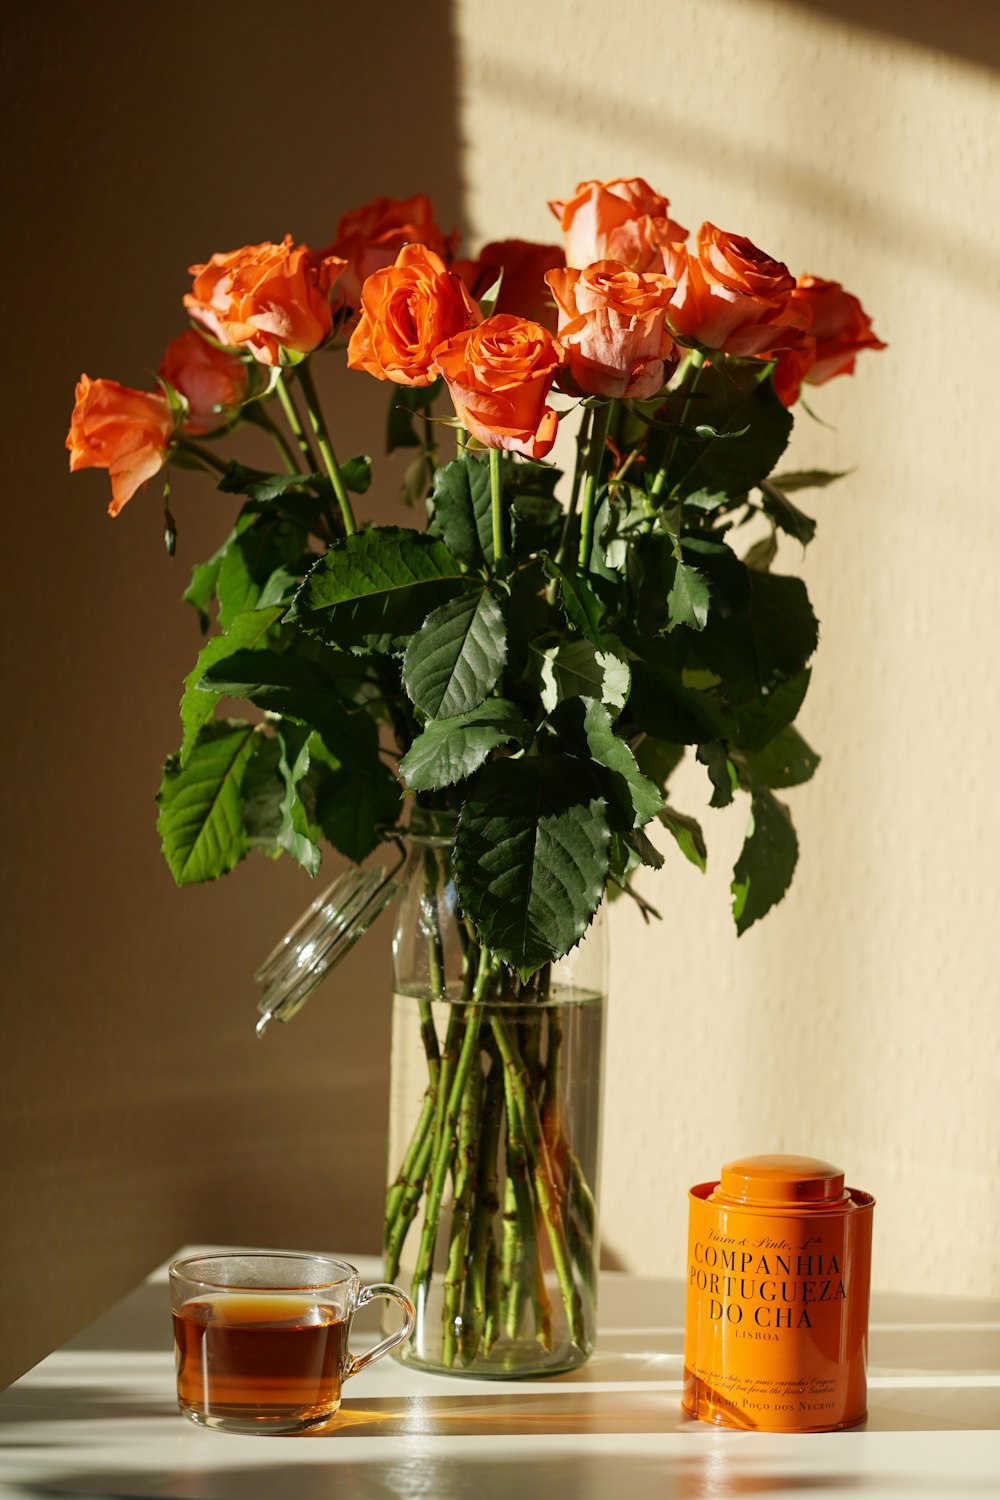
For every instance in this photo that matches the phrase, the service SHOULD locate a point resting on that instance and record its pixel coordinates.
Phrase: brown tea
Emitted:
(259, 1357)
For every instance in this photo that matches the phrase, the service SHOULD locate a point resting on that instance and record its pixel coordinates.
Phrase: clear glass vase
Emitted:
(494, 1136)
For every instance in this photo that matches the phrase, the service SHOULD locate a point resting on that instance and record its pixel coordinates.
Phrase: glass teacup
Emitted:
(261, 1337)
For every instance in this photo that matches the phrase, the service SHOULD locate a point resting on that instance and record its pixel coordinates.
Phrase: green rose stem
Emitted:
(326, 447)
(545, 1179)
(496, 502)
(203, 455)
(404, 1195)
(492, 1325)
(518, 1243)
(595, 458)
(450, 1094)
(295, 422)
(256, 413)
(578, 471)
(694, 360)
(487, 1205)
(461, 1213)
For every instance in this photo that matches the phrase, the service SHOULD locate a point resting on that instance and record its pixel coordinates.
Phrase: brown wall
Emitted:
(138, 1110)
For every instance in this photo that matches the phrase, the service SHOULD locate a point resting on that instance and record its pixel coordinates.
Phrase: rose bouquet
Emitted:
(536, 656)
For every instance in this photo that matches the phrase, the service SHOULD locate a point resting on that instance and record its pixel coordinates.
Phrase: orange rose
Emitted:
(623, 219)
(370, 238)
(407, 310)
(734, 297)
(268, 298)
(124, 431)
(523, 291)
(499, 375)
(612, 326)
(841, 329)
(213, 382)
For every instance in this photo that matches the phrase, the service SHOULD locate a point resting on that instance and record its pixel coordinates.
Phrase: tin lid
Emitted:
(778, 1180)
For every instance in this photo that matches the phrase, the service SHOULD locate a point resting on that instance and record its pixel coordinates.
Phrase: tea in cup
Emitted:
(262, 1338)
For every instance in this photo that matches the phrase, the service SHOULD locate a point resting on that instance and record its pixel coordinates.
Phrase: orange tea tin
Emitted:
(779, 1262)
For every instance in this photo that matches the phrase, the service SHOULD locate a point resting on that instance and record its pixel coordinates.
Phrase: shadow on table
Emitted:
(641, 1476)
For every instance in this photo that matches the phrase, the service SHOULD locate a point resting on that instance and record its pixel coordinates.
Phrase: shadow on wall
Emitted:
(139, 1112)
(969, 29)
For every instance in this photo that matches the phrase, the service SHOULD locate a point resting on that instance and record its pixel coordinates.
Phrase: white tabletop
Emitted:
(99, 1417)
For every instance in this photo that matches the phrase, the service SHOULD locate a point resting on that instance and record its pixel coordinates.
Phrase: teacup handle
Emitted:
(393, 1293)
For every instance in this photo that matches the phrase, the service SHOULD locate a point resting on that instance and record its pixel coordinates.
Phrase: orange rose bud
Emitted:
(268, 298)
(499, 375)
(407, 310)
(523, 291)
(612, 326)
(624, 220)
(734, 297)
(213, 382)
(841, 329)
(124, 431)
(370, 238)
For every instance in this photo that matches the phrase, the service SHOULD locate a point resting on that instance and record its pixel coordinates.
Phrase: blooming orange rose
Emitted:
(124, 431)
(212, 381)
(624, 219)
(499, 375)
(734, 297)
(407, 310)
(370, 238)
(841, 329)
(268, 298)
(612, 326)
(523, 291)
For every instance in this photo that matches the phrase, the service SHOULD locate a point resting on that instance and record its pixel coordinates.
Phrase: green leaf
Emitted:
(809, 479)
(737, 400)
(246, 632)
(357, 473)
(204, 576)
(761, 718)
(762, 554)
(259, 485)
(662, 705)
(640, 795)
(687, 601)
(406, 401)
(785, 761)
(531, 856)
(449, 750)
(201, 803)
(645, 851)
(293, 830)
(658, 759)
(767, 861)
(459, 511)
(785, 630)
(249, 562)
(375, 587)
(688, 835)
(263, 790)
(577, 669)
(455, 659)
(353, 808)
(536, 521)
(721, 771)
(581, 605)
(786, 515)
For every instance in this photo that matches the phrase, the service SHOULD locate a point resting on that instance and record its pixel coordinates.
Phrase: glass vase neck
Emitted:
(432, 826)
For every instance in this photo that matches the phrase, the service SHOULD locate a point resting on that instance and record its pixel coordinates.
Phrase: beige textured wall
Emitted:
(860, 1022)
(137, 1110)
